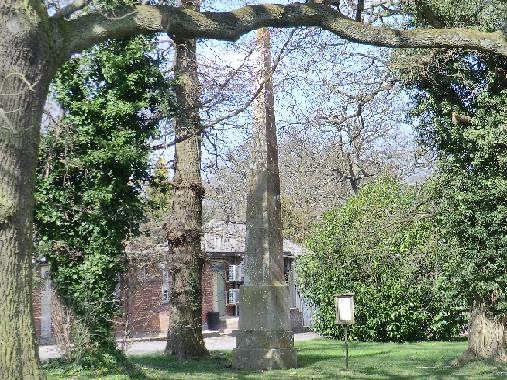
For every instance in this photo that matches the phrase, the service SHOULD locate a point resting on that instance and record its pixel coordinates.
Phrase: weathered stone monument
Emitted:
(264, 339)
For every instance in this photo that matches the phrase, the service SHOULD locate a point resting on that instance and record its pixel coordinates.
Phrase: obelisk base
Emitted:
(264, 350)
(264, 339)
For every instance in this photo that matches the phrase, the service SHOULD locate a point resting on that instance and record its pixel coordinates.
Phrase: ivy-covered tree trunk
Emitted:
(24, 75)
(186, 258)
(486, 336)
(109, 95)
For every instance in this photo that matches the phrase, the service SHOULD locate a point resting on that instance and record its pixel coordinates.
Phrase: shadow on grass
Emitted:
(322, 359)
(472, 370)
(307, 359)
(329, 349)
(325, 359)
(418, 360)
(63, 368)
(218, 364)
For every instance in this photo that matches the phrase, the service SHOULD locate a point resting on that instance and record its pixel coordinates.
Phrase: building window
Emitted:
(165, 286)
(288, 263)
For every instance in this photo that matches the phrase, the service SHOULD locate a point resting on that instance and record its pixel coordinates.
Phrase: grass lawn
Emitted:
(319, 359)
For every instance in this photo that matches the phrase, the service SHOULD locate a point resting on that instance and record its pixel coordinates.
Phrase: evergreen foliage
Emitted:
(159, 191)
(92, 167)
(471, 183)
(477, 14)
(380, 245)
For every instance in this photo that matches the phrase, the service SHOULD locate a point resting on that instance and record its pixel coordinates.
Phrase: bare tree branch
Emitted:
(238, 110)
(213, 101)
(247, 104)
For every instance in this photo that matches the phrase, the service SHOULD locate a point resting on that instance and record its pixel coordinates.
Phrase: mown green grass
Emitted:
(317, 359)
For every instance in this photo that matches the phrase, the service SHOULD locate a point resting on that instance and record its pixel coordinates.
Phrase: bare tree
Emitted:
(341, 114)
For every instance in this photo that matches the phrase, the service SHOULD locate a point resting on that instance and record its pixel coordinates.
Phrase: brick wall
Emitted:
(207, 292)
(143, 312)
(42, 302)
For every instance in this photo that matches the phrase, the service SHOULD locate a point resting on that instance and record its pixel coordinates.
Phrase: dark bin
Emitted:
(213, 320)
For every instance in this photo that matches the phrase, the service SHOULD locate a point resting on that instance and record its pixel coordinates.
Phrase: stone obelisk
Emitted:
(264, 339)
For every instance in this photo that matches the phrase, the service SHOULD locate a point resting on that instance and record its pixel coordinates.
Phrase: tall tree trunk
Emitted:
(486, 336)
(186, 258)
(24, 76)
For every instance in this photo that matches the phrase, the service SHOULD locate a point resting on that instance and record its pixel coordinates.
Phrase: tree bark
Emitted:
(25, 71)
(82, 32)
(486, 336)
(186, 258)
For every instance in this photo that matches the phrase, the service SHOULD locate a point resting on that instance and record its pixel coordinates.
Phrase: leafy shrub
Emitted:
(381, 245)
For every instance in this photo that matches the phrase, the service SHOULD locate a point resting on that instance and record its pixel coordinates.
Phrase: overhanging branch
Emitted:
(84, 31)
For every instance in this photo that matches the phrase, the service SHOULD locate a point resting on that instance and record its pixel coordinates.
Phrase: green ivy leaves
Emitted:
(92, 168)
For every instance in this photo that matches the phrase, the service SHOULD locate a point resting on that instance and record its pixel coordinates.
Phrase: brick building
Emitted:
(146, 287)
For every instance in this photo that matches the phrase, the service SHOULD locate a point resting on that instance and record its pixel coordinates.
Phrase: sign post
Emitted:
(345, 316)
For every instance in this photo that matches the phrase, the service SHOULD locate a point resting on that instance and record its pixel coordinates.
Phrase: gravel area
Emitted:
(224, 342)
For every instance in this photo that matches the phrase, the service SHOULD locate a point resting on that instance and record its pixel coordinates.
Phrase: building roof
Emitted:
(227, 238)
(220, 239)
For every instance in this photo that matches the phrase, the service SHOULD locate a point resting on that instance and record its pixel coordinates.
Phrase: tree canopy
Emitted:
(460, 98)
